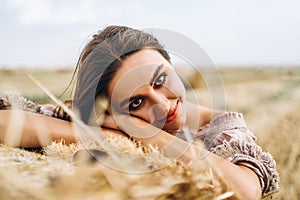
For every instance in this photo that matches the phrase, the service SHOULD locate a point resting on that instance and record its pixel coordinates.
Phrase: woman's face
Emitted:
(146, 86)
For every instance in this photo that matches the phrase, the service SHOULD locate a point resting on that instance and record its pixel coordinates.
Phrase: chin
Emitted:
(172, 127)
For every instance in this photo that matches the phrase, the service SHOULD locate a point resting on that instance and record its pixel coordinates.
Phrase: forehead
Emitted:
(135, 71)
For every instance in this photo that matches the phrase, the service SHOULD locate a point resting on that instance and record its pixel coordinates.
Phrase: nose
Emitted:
(160, 105)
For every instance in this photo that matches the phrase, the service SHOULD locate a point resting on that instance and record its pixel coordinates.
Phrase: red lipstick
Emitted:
(172, 114)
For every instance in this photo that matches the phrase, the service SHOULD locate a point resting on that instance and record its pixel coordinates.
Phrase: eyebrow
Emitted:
(157, 70)
(159, 67)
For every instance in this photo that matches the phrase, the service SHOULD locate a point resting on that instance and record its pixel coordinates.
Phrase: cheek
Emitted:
(143, 113)
(175, 86)
(150, 113)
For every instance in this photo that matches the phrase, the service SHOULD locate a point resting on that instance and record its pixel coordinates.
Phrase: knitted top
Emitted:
(227, 135)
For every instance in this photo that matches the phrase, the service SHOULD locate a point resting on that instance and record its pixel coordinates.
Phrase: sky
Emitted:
(51, 33)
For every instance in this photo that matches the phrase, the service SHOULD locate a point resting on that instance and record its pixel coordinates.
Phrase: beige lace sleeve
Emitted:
(228, 136)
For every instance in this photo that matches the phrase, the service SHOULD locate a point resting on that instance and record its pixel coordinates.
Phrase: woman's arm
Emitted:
(26, 129)
(241, 179)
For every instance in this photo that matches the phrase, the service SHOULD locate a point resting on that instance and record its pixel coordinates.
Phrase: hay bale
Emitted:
(54, 175)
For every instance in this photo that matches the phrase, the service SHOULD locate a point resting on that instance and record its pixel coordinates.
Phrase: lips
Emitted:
(172, 114)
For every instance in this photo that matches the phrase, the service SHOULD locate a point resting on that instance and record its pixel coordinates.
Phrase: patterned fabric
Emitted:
(14, 100)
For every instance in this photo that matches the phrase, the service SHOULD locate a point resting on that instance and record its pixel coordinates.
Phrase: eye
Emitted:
(160, 80)
(135, 104)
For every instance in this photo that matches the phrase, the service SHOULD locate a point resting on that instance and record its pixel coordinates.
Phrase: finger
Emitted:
(109, 122)
(111, 132)
(136, 127)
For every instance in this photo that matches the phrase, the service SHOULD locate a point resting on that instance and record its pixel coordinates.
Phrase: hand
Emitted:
(113, 132)
(108, 122)
(138, 128)
(147, 134)
(110, 126)
(131, 126)
(123, 122)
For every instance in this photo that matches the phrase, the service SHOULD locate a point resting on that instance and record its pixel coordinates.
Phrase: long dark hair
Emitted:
(100, 60)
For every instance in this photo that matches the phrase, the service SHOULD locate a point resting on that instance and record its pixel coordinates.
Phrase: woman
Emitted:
(131, 70)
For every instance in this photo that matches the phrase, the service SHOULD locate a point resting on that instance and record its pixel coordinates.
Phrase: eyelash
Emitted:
(155, 86)
(131, 104)
(164, 75)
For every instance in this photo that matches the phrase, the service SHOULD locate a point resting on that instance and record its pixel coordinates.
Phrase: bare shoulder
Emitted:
(207, 114)
(199, 116)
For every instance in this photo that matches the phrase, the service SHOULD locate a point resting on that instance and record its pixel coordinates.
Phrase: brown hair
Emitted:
(102, 57)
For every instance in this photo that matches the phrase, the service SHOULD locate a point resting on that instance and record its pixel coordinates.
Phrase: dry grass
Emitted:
(269, 99)
(54, 175)
(18, 81)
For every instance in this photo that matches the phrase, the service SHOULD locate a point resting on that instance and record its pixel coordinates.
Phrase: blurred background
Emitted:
(254, 45)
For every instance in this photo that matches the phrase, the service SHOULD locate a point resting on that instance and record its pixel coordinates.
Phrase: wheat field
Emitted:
(268, 97)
